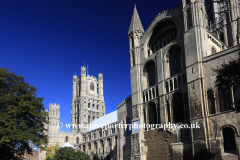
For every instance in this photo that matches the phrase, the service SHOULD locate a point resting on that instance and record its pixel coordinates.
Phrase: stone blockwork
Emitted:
(158, 144)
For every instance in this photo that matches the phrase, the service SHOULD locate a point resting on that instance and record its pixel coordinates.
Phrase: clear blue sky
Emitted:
(47, 41)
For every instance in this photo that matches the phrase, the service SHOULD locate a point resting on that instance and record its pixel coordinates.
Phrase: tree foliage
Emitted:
(68, 153)
(22, 117)
(228, 74)
(51, 151)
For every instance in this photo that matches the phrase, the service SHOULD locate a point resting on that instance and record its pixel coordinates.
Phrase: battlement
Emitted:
(124, 101)
(54, 105)
(91, 77)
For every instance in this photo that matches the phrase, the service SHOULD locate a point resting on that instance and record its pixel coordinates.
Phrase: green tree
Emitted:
(68, 153)
(228, 74)
(22, 116)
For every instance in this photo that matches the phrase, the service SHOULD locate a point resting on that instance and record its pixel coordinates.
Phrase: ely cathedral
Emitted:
(172, 81)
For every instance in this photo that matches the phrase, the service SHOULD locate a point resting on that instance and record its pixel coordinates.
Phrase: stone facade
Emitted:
(172, 82)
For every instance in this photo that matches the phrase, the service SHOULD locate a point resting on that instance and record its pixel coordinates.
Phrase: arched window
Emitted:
(175, 60)
(89, 137)
(66, 139)
(106, 132)
(211, 102)
(101, 144)
(108, 142)
(189, 19)
(213, 50)
(93, 118)
(89, 146)
(77, 141)
(128, 129)
(152, 113)
(89, 119)
(149, 72)
(178, 108)
(95, 145)
(163, 39)
(92, 86)
(224, 99)
(84, 148)
(236, 93)
(168, 112)
(221, 36)
(229, 140)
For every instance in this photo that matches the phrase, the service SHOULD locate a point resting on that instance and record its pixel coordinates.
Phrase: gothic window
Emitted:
(108, 142)
(211, 102)
(66, 139)
(149, 71)
(116, 141)
(93, 118)
(224, 99)
(178, 108)
(189, 19)
(229, 140)
(221, 36)
(113, 130)
(88, 105)
(106, 132)
(92, 86)
(53, 113)
(95, 145)
(128, 129)
(168, 112)
(213, 50)
(89, 137)
(84, 148)
(236, 93)
(89, 146)
(175, 60)
(152, 113)
(187, 1)
(77, 140)
(163, 39)
(89, 119)
(101, 143)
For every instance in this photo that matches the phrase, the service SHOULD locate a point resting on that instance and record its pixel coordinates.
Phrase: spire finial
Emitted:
(136, 24)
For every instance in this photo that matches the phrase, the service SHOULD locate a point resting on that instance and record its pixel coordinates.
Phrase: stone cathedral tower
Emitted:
(88, 101)
(54, 125)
